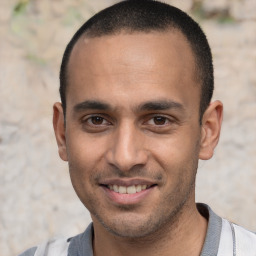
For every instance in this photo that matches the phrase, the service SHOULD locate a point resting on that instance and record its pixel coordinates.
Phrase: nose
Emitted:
(126, 149)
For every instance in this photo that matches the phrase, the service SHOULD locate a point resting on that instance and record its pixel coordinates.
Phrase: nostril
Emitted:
(126, 161)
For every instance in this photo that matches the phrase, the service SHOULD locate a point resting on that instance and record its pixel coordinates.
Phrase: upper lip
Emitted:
(127, 182)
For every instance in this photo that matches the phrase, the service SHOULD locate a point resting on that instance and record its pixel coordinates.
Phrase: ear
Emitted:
(59, 129)
(210, 130)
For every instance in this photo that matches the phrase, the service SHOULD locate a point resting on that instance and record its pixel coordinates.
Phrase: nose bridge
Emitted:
(126, 148)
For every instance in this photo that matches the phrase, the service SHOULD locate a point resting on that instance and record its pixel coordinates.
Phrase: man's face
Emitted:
(132, 129)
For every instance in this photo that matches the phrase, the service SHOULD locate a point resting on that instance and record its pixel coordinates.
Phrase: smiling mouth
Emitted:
(128, 189)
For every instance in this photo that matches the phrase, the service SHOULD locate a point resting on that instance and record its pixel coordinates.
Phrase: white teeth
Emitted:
(131, 190)
(115, 187)
(122, 190)
(138, 188)
(127, 190)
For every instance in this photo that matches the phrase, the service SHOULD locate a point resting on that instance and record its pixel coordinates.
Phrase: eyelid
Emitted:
(152, 121)
(85, 119)
(168, 118)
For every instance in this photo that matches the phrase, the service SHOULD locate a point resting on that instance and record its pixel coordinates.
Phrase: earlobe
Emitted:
(210, 131)
(59, 129)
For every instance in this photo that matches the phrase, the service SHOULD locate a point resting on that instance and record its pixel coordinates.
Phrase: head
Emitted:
(147, 16)
(134, 87)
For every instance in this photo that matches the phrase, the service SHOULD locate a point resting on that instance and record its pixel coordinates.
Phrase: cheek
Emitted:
(175, 149)
(85, 157)
(81, 169)
(84, 151)
(178, 157)
(81, 162)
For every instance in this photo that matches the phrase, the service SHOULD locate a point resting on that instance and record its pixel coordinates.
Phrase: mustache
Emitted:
(135, 172)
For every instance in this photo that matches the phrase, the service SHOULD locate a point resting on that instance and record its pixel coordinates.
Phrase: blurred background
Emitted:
(36, 196)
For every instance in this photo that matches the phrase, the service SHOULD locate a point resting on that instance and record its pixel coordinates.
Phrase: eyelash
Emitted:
(88, 124)
(86, 120)
(164, 118)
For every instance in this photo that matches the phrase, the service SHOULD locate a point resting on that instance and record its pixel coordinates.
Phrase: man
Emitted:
(136, 83)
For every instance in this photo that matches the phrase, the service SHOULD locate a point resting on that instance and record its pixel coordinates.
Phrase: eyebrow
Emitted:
(146, 106)
(160, 105)
(91, 105)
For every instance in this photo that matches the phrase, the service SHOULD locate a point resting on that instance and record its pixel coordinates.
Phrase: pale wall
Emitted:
(37, 199)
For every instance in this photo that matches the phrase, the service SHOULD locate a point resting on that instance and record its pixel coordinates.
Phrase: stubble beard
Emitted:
(157, 223)
(156, 226)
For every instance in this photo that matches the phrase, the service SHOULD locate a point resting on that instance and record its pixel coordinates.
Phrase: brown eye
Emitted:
(95, 123)
(97, 120)
(159, 120)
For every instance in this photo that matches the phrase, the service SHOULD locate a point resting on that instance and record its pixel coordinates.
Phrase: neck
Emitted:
(184, 235)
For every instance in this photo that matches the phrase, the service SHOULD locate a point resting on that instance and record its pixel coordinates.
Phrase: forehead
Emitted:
(143, 62)
(161, 45)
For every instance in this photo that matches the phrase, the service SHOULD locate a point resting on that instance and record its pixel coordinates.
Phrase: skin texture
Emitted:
(132, 118)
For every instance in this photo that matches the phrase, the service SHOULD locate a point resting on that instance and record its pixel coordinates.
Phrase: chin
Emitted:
(132, 226)
(130, 232)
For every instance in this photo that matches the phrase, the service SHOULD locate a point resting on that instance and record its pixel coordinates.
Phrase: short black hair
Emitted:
(146, 16)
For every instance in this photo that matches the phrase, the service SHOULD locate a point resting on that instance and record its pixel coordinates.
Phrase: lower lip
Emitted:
(127, 199)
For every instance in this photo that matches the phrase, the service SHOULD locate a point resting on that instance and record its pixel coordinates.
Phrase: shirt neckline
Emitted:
(81, 245)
